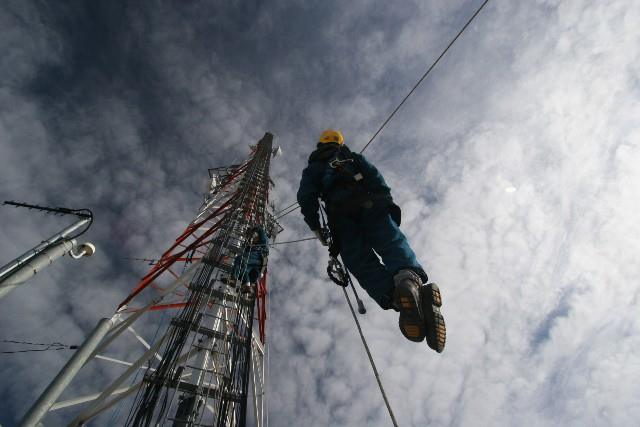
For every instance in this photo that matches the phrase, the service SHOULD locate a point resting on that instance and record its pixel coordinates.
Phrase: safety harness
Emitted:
(350, 178)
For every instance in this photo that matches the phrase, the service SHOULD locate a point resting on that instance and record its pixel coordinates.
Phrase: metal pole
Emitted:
(62, 380)
(11, 266)
(27, 270)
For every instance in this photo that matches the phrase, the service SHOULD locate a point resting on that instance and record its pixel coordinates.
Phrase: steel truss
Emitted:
(208, 367)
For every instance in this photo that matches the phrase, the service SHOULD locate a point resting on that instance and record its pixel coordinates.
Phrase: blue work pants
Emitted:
(252, 263)
(374, 230)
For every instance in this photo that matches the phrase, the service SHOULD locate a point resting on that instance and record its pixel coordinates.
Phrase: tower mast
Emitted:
(207, 368)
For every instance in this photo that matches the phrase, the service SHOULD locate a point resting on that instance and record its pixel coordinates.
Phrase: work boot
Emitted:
(406, 298)
(434, 322)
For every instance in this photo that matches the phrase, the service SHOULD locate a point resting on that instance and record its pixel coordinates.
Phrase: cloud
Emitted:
(122, 109)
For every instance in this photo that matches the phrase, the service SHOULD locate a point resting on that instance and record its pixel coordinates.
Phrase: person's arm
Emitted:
(372, 177)
(308, 195)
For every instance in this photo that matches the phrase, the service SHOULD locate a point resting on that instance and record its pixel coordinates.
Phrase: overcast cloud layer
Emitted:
(515, 164)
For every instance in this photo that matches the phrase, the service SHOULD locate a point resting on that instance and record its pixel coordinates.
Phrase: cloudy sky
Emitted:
(122, 108)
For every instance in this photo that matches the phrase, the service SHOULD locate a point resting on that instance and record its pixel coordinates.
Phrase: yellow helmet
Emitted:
(331, 135)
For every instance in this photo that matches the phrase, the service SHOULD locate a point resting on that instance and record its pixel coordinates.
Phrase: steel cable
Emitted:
(424, 76)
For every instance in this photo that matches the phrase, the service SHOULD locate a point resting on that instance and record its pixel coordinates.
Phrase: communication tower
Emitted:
(206, 367)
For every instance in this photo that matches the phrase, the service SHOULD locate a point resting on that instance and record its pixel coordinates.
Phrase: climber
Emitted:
(364, 223)
(252, 259)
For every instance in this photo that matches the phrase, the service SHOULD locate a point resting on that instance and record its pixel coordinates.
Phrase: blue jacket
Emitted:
(336, 186)
(261, 248)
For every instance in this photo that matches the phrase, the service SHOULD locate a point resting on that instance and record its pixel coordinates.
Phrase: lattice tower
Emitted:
(198, 371)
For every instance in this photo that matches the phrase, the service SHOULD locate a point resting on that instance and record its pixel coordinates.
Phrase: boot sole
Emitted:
(411, 322)
(436, 330)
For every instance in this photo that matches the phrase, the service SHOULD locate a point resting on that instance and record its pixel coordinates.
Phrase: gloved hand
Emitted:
(321, 236)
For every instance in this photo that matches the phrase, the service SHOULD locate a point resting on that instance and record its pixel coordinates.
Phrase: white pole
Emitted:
(62, 380)
(34, 265)
(11, 266)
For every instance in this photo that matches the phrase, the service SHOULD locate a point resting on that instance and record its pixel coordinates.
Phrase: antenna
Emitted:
(27, 265)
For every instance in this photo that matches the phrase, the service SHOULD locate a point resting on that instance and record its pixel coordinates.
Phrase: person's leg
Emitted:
(419, 306)
(383, 234)
(385, 237)
(246, 277)
(362, 262)
(249, 279)
(253, 273)
(254, 266)
(236, 271)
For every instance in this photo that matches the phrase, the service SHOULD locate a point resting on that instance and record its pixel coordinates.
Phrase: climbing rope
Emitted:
(373, 365)
(339, 274)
